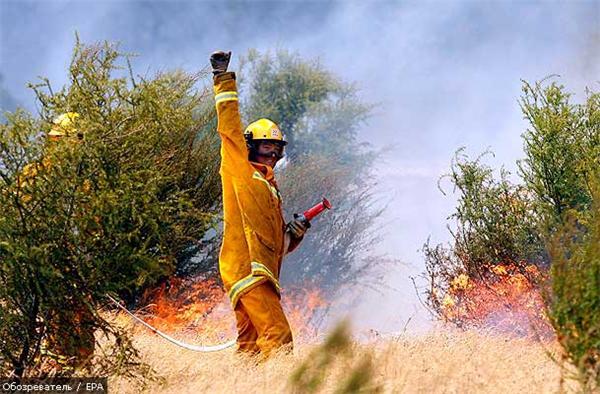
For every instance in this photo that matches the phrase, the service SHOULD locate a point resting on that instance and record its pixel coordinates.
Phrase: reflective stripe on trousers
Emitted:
(260, 273)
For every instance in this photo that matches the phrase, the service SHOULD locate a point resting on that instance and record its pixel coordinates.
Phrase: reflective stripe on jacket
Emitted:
(254, 228)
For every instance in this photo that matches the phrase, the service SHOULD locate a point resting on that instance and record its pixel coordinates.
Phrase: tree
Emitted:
(110, 213)
(562, 149)
(320, 116)
(562, 158)
(574, 299)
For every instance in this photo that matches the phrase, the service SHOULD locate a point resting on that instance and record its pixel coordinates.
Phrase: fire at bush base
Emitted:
(506, 299)
(194, 348)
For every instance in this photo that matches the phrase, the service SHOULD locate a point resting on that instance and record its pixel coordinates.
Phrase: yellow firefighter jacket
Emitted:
(253, 240)
(27, 177)
(29, 173)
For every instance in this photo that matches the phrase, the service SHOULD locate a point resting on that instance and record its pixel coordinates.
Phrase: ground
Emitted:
(438, 362)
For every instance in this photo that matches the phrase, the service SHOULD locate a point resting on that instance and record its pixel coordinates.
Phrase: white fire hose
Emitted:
(306, 217)
(193, 348)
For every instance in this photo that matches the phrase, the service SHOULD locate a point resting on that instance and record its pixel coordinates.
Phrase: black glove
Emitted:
(219, 61)
(297, 227)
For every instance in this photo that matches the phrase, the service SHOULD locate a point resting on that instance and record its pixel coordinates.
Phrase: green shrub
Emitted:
(495, 224)
(498, 222)
(562, 157)
(574, 300)
(562, 150)
(112, 212)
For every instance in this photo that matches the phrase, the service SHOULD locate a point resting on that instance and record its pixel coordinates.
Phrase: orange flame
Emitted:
(200, 306)
(196, 305)
(305, 308)
(508, 300)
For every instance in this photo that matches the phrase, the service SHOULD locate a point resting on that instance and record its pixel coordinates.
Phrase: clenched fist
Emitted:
(219, 61)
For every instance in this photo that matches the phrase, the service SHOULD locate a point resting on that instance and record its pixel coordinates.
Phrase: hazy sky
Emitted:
(443, 74)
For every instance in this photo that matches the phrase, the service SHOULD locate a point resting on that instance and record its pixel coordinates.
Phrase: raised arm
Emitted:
(234, 152)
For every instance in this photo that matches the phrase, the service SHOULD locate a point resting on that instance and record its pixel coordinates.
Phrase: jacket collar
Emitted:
(265, 170)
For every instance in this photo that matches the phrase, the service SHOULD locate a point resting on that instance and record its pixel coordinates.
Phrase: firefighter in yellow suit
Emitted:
(57, 343)
(256, 236)
(62, 126)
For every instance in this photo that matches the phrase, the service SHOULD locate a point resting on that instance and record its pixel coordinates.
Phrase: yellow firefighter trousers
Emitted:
(261, 323)
(62, 344)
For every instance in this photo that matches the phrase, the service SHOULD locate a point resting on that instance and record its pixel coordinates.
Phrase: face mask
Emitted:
(275, 155)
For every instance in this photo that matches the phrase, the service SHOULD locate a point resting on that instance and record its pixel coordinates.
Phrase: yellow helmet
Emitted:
(264, 129)
(63, 125)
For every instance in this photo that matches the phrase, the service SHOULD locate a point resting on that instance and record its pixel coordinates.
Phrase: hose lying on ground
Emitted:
(194, 348)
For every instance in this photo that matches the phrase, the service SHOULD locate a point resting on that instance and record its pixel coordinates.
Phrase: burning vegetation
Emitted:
(507, 299)
(188, 305)
(511, 243)
(199, 306)
(491, 275)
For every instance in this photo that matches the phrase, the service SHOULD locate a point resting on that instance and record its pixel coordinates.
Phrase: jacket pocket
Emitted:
(268, 243)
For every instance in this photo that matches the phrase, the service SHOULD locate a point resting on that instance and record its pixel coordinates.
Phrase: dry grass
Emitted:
(441, 362)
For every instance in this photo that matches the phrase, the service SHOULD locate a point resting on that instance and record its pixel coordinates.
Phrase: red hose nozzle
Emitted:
(310, 213)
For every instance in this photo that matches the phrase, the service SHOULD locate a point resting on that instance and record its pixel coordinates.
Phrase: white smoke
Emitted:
(443, 75)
